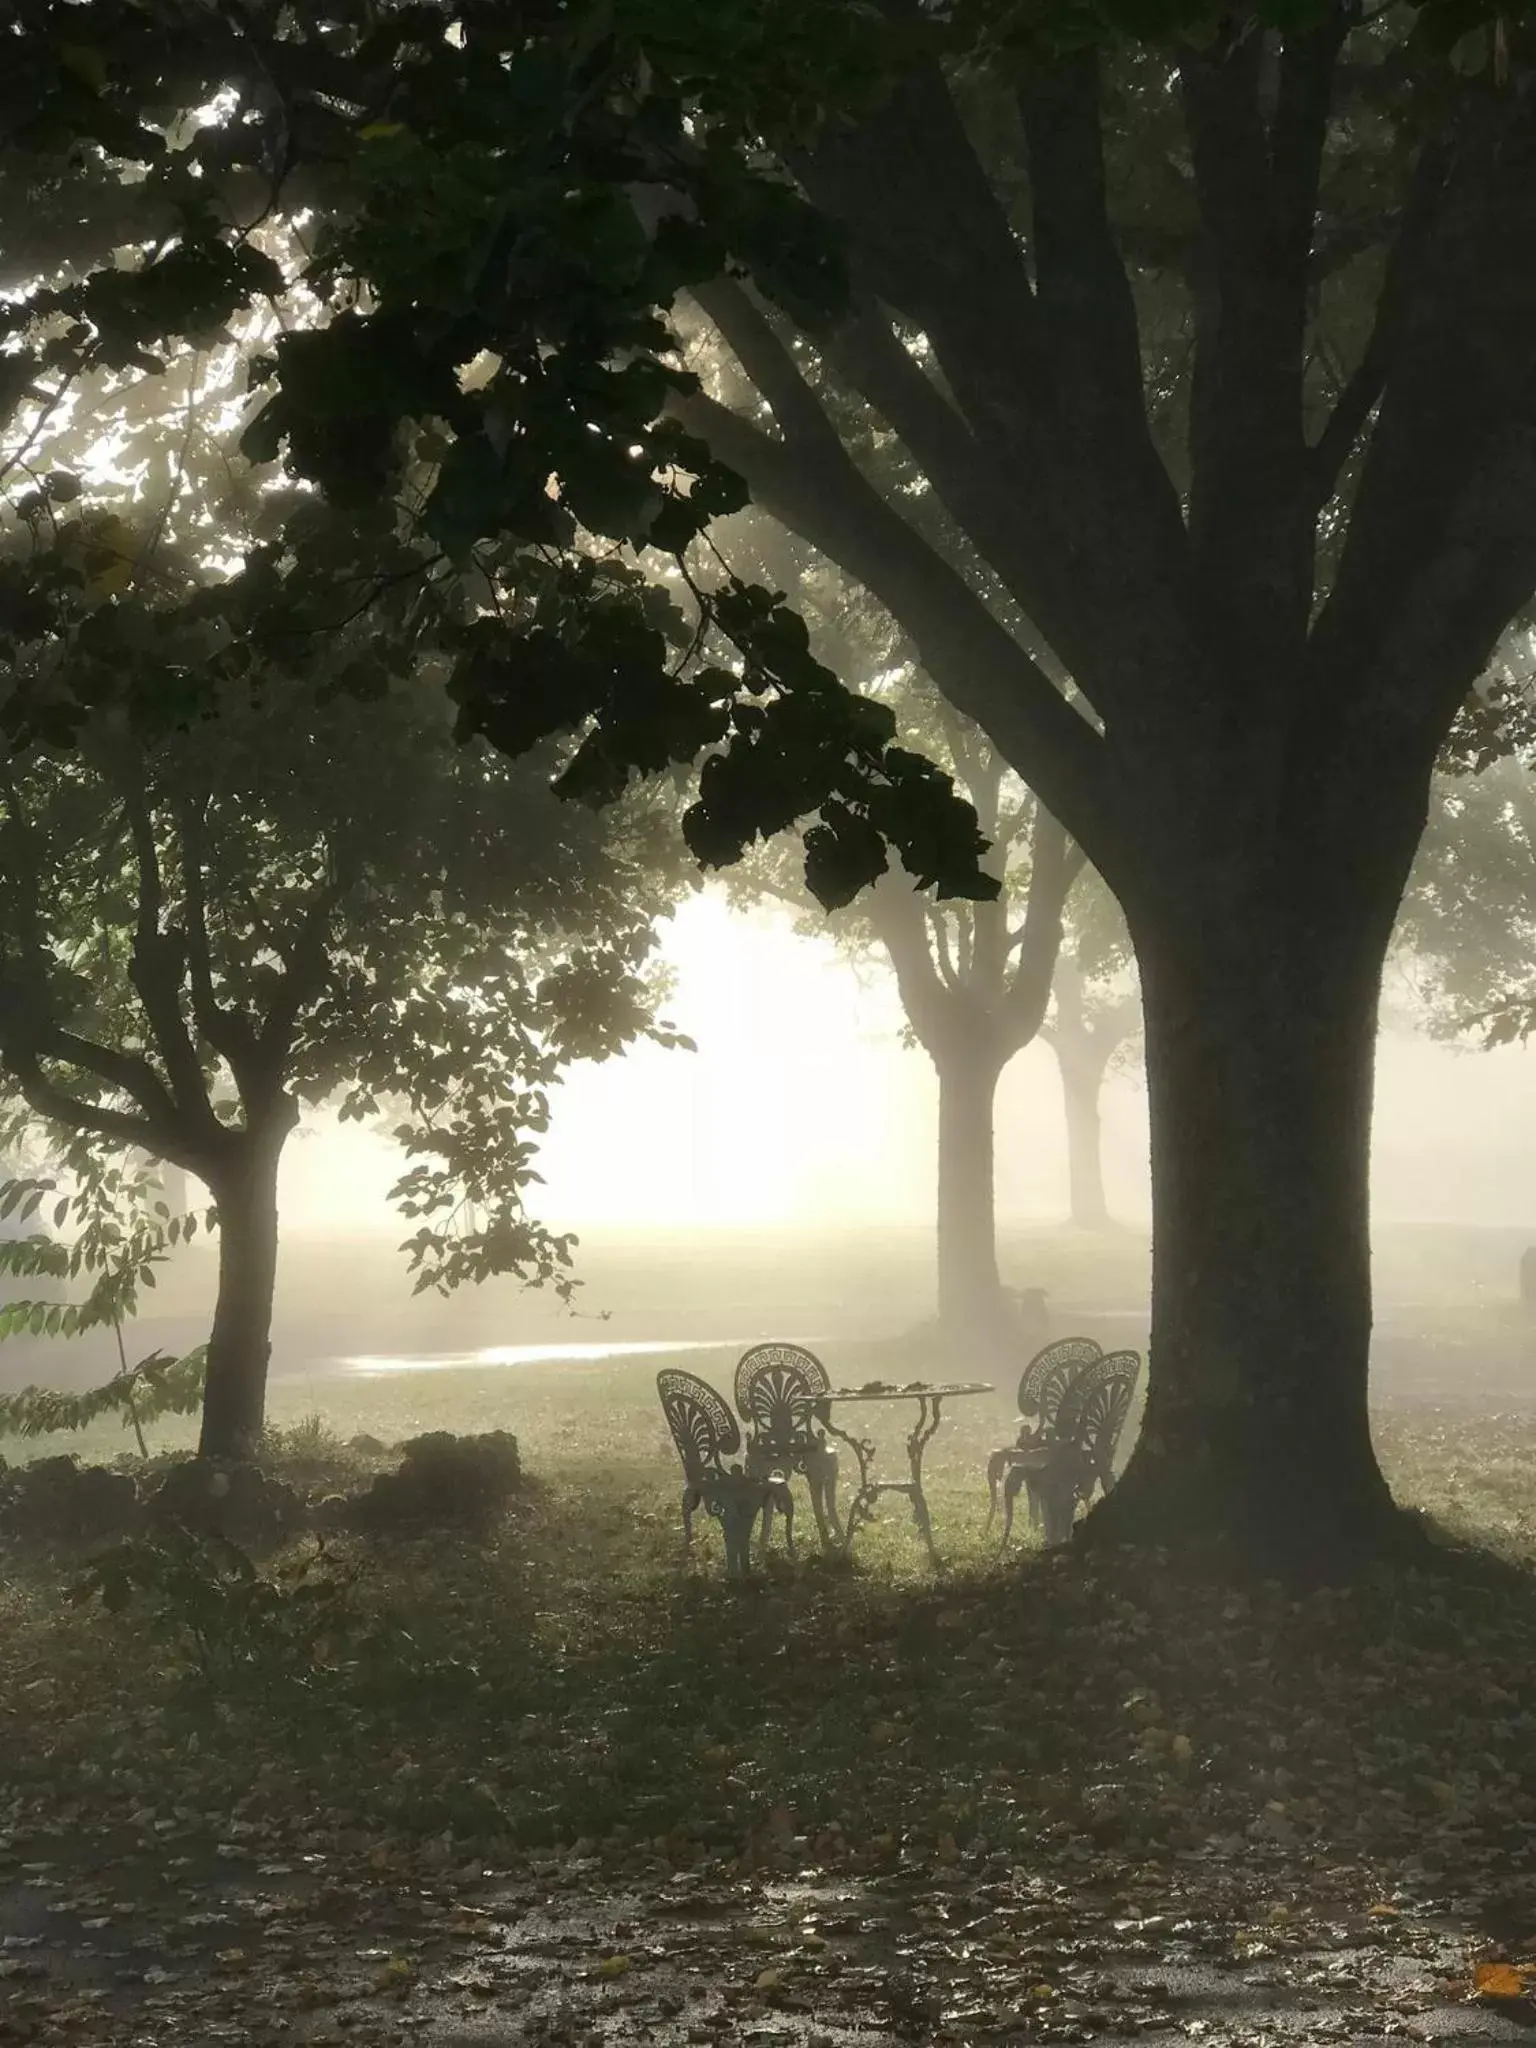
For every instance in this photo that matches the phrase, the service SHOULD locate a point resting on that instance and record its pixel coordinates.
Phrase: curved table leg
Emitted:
(821, 1476)
(929, 1416)
(861, 1507)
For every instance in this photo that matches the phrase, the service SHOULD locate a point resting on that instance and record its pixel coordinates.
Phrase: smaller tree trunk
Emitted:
(970, 1292)
(244, 1189)
(1082, 1082)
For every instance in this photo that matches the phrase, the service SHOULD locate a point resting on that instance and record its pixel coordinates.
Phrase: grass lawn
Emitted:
(562, 1788)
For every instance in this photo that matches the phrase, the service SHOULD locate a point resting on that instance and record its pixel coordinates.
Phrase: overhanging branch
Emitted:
(896, 912)
(972, 657)
(57, 1104)
(304, 969)
(224, 1030)
(768, 361)
(156, 963)
(1054, 866)
(1356, 402)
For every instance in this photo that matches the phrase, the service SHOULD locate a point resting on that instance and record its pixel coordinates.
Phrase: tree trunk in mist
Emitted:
(1082, 1081)
(1260, 1064)
(969, 1290)
(240, 1347)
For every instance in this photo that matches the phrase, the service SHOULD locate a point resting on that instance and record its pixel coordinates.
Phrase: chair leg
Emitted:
(736, 1528)
(1059, 1506)
(786, 1506)
(1015, 1479)
(997, 1465)
(691, 1500)
(821, 1479)
(829, 1498)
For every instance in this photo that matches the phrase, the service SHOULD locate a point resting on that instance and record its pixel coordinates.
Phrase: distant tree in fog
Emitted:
(1093, 1028)
(973, 978)
(1467, 932)
(1048, 957)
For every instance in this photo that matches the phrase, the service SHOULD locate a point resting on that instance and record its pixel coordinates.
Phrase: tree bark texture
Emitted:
(1261, 1032)
(240, 1345)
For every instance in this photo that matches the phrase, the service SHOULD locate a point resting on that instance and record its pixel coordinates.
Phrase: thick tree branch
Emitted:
(1055, 865)
(975, 483)
(1085, 311)
(1452, 433)
(228, 1033)
(966, 479)
(1108, 500)
(951, 971)
(1082, 507)
(59, 1106)
(305, 965)
(156, 965)
(869, 355)
(30, 1028)
(970, 655)
(1300, 129)
(896, 912)
(126, 1071)
(768, 361)
(1442, 634)
(1358, 400)
(931, 238)
(1252, 505)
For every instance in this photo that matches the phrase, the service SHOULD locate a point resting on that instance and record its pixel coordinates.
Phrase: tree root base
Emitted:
(1246, 1533)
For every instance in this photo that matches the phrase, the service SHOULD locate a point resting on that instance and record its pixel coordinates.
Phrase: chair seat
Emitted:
(794, 1453)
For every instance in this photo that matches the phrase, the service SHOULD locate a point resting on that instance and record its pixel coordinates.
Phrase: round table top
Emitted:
(915, 1390)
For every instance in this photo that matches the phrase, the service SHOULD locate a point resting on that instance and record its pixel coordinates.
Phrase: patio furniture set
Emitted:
(1073, 1401)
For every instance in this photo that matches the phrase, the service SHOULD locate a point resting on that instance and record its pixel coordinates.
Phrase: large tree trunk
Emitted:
(239, 1348)
(1260, 1037)
(970, 1293)
(1082, 1081)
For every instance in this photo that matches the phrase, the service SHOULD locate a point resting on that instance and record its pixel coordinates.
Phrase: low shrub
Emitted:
(444, 1482)
(60, 1503)
(241, 1503)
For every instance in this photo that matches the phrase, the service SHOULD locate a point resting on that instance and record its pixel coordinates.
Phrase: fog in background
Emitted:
(779, 1181)
(802, 1107)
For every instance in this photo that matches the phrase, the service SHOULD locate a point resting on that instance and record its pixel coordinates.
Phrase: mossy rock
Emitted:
(59, 1501)
(444, 1482)
(240, 1502)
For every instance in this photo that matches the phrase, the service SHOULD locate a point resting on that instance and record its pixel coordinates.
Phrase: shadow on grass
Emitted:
(575, 1684)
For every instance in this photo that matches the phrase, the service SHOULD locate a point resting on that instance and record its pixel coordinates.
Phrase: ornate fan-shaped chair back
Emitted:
(777, 1388)
(703, 1427)
(1045, 1380)
(1093, 1409)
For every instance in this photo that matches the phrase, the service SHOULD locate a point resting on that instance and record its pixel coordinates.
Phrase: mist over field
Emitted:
(779, 1180)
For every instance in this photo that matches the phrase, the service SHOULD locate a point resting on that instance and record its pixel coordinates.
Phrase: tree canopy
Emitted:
(1469, 917)
(472, 364)
(285, 904)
